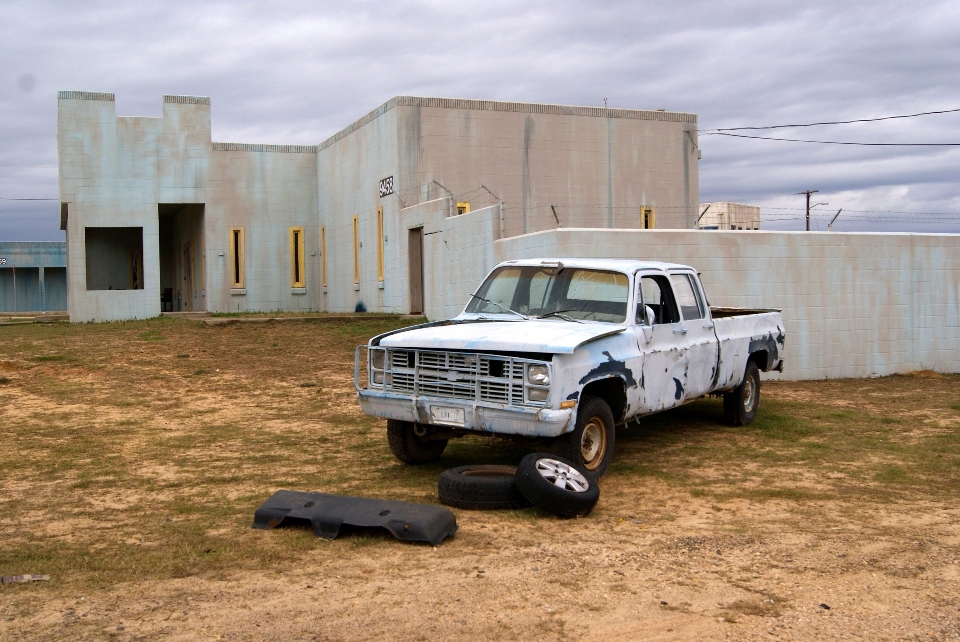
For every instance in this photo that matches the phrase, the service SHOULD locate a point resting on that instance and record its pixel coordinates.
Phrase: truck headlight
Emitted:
(539, 375)
(377, 358)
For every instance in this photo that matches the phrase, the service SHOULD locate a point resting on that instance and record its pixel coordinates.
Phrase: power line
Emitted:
(840, 122)
(832, 142)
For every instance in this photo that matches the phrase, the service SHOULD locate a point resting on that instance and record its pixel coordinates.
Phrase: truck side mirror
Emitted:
(645, 315)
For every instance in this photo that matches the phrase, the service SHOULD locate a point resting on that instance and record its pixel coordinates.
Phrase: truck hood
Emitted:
(549, 336)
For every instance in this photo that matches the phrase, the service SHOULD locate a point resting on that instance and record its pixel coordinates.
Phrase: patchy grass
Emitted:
(139, 450)
(892, 435)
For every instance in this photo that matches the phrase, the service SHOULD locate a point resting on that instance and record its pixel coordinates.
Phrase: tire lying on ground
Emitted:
(557, 485)
(480, 487)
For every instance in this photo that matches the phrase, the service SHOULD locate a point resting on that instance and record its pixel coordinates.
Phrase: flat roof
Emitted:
(524, 108)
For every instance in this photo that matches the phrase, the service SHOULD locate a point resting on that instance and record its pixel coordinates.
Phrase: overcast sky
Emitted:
(297, 72)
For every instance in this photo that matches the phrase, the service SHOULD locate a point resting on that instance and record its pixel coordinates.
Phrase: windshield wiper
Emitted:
(502, 308)
(560, 313)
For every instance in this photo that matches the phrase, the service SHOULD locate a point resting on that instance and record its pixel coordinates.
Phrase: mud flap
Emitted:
(327, 513)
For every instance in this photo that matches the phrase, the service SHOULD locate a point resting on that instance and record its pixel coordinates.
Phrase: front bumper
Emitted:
(480, 417)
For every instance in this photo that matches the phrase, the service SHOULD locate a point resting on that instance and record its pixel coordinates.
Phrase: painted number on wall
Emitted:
(386, 186)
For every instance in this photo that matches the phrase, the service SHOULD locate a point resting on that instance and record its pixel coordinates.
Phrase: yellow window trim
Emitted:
(648, 218)
(323, 255)
(298, 277)
(380, 244)
(236, 258)
(463, 207)
(356, 249)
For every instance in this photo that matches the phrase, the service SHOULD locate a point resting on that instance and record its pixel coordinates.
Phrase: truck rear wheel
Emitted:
(408, 447)
(590, 445)
(740, 404)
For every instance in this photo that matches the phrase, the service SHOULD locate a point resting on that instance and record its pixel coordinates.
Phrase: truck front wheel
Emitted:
(410, 448)
(740, 404)
(591, 443)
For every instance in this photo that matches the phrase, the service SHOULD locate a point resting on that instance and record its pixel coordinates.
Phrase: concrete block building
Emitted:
(33, 277)
(160, 217)
(728, 216)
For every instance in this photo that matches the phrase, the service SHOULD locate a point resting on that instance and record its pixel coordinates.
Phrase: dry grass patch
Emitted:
(135, 454)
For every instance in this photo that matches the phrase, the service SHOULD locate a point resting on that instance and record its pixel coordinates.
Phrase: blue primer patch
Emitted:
(771, 345)
(679, 392)
(574, 395)
(608, 367)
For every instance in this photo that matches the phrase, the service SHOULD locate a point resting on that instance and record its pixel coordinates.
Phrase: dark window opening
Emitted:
(114, 258)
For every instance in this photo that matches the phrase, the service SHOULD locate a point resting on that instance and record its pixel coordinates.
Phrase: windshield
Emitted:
(588, 295)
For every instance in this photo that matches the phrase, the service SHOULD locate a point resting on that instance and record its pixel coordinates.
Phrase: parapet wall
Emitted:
(854, 305)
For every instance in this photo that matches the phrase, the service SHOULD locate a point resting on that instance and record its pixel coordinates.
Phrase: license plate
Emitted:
(447, 416)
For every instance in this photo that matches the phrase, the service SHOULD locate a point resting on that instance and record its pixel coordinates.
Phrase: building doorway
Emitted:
(182, 273)
(415, 251)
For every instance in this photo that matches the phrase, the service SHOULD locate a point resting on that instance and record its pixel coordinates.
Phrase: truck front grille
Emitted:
(477, 377)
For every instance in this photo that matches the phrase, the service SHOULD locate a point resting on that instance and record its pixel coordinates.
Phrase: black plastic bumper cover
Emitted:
(405, 521)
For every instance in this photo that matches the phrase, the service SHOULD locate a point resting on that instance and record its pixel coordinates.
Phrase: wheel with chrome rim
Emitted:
(740, 405)
(590, 443)
(562, 476)
(557, 485)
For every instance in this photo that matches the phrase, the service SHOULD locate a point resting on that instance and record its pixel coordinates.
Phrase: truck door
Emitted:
(700, 337)
(662, 343)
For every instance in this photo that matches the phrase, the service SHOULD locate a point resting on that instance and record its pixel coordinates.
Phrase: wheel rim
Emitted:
(593, 443)
(749, 394)
(562, 476)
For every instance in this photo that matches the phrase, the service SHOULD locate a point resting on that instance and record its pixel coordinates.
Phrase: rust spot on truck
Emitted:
(610, 367)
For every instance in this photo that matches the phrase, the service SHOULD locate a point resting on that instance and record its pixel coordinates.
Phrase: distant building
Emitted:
(159, 217)
(33, 277)
(729, 216)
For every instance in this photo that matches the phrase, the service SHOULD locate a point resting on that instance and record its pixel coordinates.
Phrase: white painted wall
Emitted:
(114, 171)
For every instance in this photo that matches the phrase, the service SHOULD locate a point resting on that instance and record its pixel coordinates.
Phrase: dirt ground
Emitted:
(134, 455)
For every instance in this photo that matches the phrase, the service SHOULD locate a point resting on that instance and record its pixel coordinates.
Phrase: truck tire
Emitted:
(590, 444)
(408, 447)
(740, 404)
(480, 487)
(557, 485)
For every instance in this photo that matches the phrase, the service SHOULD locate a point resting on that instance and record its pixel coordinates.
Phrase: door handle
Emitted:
(709, 326)
(680, 331)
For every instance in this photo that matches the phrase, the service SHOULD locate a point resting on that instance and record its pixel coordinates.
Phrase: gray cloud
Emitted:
(296, 73)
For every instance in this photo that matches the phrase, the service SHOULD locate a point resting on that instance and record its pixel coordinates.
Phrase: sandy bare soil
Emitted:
(135, 454)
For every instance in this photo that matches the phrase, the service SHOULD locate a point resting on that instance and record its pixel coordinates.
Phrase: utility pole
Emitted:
(808, 193)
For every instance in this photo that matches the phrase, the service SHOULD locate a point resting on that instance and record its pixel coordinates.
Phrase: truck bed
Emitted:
(742, 332)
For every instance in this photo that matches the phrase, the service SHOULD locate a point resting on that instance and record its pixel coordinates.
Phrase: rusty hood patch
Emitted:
(548, 336)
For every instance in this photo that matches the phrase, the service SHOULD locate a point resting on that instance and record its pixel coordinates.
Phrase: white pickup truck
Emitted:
(566, 350)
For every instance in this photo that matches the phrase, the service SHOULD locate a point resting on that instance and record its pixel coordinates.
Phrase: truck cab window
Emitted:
(655, 293)
(582, 294)
(686, 291)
